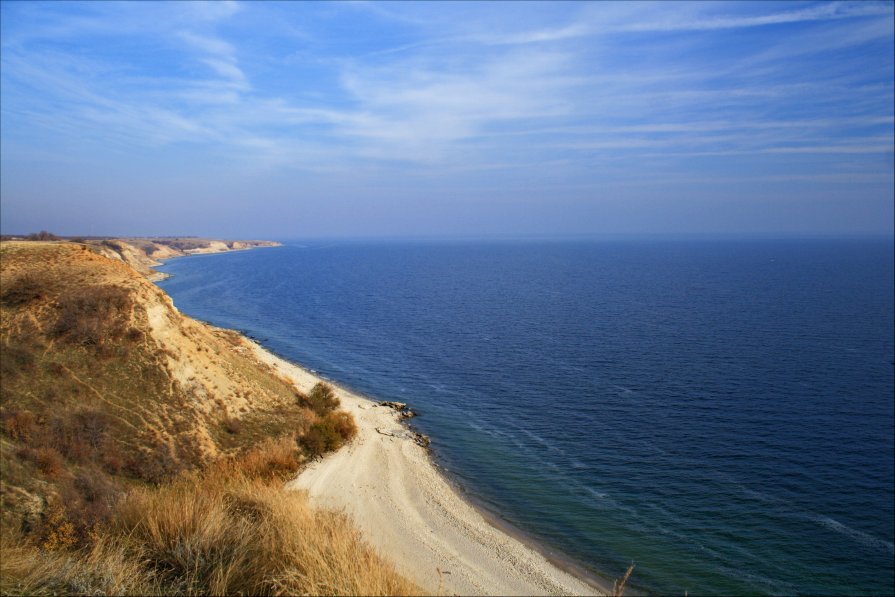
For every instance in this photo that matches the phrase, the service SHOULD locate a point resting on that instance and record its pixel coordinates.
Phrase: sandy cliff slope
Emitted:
(99, 370)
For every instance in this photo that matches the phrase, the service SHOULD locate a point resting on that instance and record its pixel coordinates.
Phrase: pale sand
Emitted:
(412, 515)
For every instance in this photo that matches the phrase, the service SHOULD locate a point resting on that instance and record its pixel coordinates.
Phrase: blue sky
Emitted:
(447, 119)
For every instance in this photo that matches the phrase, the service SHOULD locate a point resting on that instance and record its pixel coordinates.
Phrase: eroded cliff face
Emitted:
(102, 377)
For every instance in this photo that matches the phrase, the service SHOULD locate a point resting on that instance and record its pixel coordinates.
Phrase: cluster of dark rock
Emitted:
(405, 413)
(401, 407)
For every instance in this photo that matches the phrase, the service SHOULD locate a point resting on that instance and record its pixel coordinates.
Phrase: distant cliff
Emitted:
(143, 254)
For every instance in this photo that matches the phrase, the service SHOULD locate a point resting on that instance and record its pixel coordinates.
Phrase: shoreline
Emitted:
(417, 516)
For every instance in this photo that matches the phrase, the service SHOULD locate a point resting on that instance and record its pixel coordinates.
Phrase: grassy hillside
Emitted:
(114, 409)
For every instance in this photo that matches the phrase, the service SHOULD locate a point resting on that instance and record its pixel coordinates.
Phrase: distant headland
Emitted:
(144, 253)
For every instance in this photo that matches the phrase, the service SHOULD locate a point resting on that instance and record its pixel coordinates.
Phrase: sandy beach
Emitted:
(387, 483)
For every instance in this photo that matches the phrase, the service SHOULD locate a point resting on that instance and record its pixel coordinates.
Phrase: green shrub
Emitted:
(329, 433)
(321, 399)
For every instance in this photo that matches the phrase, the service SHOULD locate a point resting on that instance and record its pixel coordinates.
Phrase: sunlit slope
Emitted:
(100, 370)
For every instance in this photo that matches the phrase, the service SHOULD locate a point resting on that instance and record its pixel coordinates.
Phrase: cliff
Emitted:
(107, 390)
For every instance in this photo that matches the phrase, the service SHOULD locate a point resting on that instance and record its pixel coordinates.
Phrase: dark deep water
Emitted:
(719, 412)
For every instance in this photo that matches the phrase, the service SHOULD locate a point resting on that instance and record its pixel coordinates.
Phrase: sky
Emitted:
(446, 119)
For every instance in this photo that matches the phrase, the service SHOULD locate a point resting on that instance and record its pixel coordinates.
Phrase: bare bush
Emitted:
(49, 461)
(91, 316)
(16, 360)
(25, 289)
(78, 436)
(19, 424)
(157, 466)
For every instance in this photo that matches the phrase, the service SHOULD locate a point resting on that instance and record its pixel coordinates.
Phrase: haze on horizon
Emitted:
(285, 120)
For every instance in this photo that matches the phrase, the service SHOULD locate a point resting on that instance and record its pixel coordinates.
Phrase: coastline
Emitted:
(155, 276)
(411, 512)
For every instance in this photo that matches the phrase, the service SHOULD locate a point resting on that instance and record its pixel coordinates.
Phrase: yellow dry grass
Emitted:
(230, 530)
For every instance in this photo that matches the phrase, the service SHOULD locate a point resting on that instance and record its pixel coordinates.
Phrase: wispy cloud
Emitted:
(821, 12)
(580, 92)
(219, 56)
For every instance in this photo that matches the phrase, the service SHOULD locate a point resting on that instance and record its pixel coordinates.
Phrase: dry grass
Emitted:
(618, 587)
(101, 569)
(273, 459)
(230, 530)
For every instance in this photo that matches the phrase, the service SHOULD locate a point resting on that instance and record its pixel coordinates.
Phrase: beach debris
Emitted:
(400, 433)
(441, 574)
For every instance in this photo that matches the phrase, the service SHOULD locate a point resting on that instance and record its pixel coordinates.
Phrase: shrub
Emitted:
(343, 424)
(90, 316)
(318, 440)
(321, 399)
(27, 288)
(112, 460)
(94, 499)
(78, 436)
(58, 532)
(15, 360)
(327, 434)
(49, 461)
(134, 335)
(19, 424)
(155, 467)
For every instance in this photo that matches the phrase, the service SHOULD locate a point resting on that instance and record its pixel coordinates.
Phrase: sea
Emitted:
(717, 412)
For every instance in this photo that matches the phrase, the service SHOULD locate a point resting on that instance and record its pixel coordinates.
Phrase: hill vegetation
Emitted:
(144, 452)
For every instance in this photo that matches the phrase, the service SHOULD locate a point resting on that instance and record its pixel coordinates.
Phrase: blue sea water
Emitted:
(718, 412)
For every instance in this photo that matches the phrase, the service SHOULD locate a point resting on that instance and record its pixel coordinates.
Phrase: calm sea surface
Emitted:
(721, 413)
